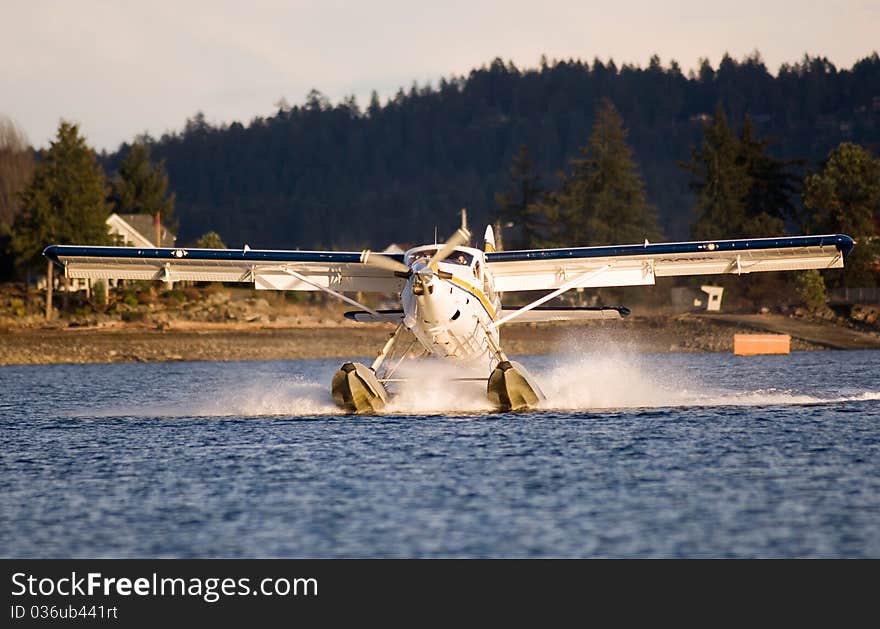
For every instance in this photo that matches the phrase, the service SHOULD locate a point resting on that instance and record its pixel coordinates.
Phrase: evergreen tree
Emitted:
(375, 107)
(742, 191)
(774, 184)
(722, 182)
(66, 202)
(16, 170)
(517, 206)
(602, 201)
(810, 287)
(140, 187)
(210, 240)
(845, 198)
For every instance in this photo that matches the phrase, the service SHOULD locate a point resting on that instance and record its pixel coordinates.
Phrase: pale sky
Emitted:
(122, 67)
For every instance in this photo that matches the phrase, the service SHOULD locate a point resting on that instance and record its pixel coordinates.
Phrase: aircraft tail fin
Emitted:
(489, 247)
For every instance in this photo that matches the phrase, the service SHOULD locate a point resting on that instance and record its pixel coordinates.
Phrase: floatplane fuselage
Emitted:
(450, 310)
(450, 305)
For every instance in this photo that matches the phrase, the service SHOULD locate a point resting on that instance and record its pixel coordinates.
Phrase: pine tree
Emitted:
(602, 201)
(742, 191)
(66, 202)
(375, 107)
(845, 198)
(810, 287)
(722, 182)
(773, 184)
(16, 170)
(517, 206)
(140, 187)
(210, 240)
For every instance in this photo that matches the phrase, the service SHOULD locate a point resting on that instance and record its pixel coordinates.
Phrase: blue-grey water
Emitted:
(700, 455)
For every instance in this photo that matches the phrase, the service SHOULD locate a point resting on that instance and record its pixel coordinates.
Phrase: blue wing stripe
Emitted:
(843, 243)
(55, 252)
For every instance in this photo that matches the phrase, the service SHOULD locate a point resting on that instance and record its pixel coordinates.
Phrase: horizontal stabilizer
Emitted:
(388, 316)
(593, 313)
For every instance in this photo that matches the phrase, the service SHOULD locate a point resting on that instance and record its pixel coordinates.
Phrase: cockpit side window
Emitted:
(460, 257)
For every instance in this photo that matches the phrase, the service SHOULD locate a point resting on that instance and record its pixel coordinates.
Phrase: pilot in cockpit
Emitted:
(422, 257)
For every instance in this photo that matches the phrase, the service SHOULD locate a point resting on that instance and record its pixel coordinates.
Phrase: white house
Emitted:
(126, 230)
(138, 230)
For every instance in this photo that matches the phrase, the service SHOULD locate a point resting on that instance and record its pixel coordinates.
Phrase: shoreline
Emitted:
(188, 341)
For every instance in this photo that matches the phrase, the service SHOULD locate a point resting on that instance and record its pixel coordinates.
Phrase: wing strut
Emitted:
(330, 291)
(567, 286)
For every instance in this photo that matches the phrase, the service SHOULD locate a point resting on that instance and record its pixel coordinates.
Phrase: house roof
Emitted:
(140, 229)
(393, 248)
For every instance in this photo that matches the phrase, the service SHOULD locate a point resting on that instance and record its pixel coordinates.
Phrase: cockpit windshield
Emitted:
(460, 257)
(456, 257)
(421, 256)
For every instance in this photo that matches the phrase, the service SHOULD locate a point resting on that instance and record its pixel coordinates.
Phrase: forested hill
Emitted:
(336, 175)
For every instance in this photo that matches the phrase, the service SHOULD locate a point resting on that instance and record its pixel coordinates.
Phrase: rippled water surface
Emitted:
(702, 455)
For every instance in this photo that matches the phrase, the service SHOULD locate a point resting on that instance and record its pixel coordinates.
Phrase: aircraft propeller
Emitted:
(460, 237)
(384, 262)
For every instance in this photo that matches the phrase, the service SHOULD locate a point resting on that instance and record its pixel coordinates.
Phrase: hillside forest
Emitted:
(569, 153)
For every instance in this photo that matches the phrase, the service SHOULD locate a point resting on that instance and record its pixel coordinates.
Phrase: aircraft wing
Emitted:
(264, 269)
(633, 265)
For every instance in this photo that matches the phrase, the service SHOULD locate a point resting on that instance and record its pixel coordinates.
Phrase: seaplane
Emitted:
(450, 294)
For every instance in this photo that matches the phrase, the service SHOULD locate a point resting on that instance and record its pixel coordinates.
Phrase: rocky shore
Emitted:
(217, 324)
(233, 342)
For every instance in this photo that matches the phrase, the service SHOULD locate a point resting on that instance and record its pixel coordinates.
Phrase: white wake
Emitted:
(574, 382)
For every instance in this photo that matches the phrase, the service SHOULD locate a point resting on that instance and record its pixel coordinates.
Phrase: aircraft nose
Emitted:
(422, 287)
(423, 281)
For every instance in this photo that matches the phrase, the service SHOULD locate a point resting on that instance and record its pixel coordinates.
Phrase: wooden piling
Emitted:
(49, 280)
